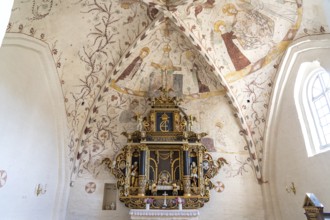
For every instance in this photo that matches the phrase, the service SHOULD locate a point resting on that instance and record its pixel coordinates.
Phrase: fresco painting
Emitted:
(109, 68)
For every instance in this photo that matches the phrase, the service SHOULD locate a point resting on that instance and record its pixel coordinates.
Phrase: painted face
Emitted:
(232, 10)
(222, 29)
(143, 54)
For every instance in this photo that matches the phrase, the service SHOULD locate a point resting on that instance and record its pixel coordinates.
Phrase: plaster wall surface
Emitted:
(289, 161)
(241, 199)
(31, 134)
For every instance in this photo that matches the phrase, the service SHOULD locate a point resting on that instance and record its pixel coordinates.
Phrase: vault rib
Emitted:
(149, 28)
(248, 135)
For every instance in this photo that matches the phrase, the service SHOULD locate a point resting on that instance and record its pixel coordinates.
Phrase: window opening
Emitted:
(319, 104)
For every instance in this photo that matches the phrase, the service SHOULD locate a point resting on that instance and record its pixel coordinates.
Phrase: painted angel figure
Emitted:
(199, 5)
(239, 60)
(134, 66)
(251, 28)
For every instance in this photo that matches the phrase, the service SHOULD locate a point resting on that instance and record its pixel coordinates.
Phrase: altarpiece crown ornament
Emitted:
(164, 159)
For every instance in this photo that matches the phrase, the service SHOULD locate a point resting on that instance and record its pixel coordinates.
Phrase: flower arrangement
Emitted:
(148, 200)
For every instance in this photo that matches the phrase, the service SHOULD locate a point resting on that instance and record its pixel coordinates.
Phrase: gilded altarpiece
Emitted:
(164, 160)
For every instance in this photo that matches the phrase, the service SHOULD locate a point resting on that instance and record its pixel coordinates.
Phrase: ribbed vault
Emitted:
(112, 53)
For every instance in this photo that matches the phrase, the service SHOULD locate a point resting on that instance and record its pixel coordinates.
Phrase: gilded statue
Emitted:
(134, 174)
(193, 174)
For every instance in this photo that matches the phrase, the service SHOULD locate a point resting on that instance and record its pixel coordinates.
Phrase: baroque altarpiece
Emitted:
(164, 159)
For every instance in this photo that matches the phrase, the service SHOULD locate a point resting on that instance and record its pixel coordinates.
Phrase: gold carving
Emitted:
(142, 185)
(312, 213)
(185, 147)
(190, 122)
(175, 160)
(137, 202)
(134, 174)
(164, 124)
(143, 147)
(313, 207)
(186, 185)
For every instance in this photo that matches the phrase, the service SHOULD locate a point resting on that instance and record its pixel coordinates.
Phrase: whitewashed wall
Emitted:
(285, 146)
(32, 132)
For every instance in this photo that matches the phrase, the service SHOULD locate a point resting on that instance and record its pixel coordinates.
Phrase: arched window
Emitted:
(312, 97)
(318, 93)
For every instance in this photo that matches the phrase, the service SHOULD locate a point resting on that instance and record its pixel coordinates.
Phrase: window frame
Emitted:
(313, 108)
(307, 74)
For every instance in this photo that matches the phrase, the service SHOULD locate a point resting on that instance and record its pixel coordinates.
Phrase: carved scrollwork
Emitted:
(143, 147)
(185, 147)
(164, 160)
(158, 203)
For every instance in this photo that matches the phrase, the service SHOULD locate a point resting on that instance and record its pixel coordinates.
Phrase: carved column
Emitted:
(142, 170)
(186, 170)
(200, 169)
(142, 185)
(128, 169)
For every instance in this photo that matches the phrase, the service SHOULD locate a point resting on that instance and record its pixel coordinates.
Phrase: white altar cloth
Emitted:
(152, 214)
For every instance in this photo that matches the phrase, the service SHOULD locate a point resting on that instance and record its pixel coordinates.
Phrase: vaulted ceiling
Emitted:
(110, 53)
